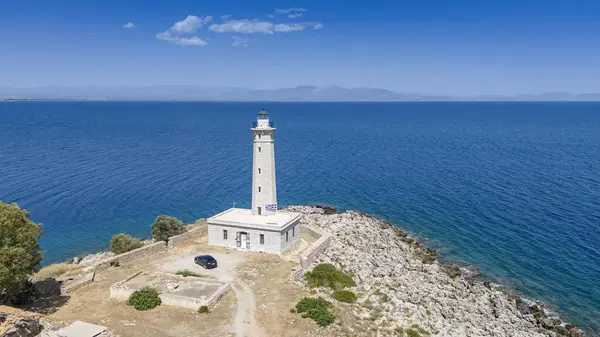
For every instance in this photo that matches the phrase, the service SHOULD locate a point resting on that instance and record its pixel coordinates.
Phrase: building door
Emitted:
(259, 211)
(244, 240)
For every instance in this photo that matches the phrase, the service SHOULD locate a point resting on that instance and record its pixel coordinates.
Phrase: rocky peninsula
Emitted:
(401, 284)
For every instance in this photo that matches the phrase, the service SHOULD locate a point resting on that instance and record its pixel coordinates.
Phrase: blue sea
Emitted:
(513, 188)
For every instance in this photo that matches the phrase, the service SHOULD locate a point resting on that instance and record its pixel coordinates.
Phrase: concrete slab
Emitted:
(78, 329)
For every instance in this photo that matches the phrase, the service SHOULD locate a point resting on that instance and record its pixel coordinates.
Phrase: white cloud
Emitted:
(294, 15)
(186, 26)
(244, 26)
(182, 41)
(239, 42)
(318, 26)
(290, 10)
(286, 28)
(190, 24)
(129, 25)
(225, 17)
(271, 16)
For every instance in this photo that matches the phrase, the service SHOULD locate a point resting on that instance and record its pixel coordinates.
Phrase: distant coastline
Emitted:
(235, 94)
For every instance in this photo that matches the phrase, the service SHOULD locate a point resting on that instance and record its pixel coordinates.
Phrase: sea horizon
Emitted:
(509, 187)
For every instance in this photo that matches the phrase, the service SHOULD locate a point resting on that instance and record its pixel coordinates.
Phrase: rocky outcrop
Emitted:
(18, 323)
(401, 285)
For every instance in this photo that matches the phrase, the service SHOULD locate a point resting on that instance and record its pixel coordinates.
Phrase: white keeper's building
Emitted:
(262, 228)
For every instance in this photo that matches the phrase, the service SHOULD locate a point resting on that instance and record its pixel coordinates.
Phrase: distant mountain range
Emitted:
(301, 93)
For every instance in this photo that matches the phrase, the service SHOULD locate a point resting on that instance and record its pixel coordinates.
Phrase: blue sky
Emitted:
(444, 47)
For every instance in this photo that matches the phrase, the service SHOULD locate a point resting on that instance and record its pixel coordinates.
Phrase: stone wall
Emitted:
(87, 278)
(218, 295)
(311, 231)
(135, 254)
(200, 230)
(308, 255)
(118, 291)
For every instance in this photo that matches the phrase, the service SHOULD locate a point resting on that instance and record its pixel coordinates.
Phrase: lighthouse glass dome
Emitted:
(262, 120)
(262, 114)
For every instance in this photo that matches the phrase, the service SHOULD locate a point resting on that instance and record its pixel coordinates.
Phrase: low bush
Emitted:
(416, 331)
(412, 333)
(317, 309)
(204, 309)
(122, 243)
(165, 227)
(25, 294)
(326, 275)
(144, 299)
(187, 272)
(344, 296)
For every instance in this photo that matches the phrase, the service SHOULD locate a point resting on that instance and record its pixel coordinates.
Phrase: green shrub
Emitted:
(308, 303)
(316, 309)
(20, 254)
(203, 309)
(322, 317)
(122, 243)
(412, 333)
(326, 275)
(187, 272)
(144, 299)
(165, 227)
(344, 296)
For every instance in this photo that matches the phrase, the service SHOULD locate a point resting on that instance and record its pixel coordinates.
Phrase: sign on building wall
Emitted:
(271, 207)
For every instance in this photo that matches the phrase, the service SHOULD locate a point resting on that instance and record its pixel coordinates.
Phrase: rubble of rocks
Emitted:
(400, 284)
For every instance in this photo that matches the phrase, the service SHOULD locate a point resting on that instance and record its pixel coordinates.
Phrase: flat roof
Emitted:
(241, 217)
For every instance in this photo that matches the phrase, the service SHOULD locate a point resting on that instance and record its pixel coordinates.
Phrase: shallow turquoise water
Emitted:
(513, 188)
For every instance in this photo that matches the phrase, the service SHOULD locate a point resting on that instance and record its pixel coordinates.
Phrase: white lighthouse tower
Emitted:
(264, 185)
(261, 228)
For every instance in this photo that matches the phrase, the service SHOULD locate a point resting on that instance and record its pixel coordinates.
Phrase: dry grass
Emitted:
(54, 270)
(268, 275)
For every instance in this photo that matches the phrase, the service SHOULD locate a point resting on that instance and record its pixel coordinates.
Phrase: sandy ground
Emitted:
(227, 263)
(258, 306)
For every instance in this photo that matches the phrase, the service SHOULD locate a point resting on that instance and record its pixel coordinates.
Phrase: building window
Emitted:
(259, 149)
(259, 188)
(262, 239)
(259, 171)
(293, 231)
(259, 136)
(224, 234)
(287, 237)
(259, 211)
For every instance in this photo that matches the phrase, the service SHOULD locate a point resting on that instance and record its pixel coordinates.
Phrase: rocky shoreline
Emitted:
(401, 283)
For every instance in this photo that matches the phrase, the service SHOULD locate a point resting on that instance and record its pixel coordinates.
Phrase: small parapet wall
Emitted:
(153, 248)
(135, 254)
(191, 292)
(200, 230)
(308, 255)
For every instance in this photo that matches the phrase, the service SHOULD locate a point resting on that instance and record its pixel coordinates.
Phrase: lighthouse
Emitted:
(262, 228)
(264, 184)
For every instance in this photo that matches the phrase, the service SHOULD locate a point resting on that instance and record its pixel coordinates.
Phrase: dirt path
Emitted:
(245, 323)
